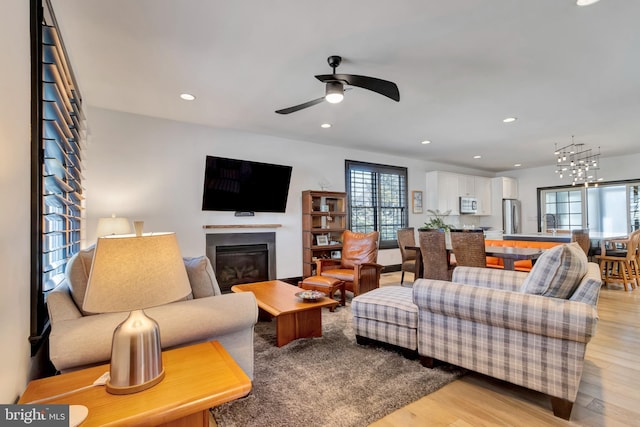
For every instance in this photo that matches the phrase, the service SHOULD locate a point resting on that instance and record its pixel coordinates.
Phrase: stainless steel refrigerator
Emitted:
(511, 216)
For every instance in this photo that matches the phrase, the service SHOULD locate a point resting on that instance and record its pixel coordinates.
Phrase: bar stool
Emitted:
(622, 269)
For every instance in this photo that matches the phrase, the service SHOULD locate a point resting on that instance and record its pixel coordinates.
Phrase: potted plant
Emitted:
(437, 222)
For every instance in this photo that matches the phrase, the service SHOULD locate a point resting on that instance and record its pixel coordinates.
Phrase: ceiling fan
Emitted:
(335, 87)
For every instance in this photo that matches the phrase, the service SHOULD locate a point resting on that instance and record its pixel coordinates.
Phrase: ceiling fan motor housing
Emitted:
(334, 61)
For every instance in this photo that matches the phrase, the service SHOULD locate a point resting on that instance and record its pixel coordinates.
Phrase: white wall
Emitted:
(153, 169)
(14, 193)
(529, 180)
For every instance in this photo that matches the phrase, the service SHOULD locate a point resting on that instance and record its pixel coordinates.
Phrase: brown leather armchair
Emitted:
(358, 266)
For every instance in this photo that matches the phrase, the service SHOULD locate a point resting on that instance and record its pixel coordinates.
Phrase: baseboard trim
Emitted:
(391, 268)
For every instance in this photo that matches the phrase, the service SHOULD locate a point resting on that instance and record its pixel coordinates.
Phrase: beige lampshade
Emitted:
(135, 272)
(113, 225)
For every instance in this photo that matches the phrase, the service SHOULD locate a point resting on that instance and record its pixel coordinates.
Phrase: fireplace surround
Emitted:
(242, 257)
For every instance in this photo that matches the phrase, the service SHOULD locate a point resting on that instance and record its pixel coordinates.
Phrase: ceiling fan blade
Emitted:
(383, 87)
(300, 107)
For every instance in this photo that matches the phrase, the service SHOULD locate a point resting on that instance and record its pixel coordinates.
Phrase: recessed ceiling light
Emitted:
(325, 125)
(477, 157)
(510, 119)
(517, 165)
(586, 2)
(187, 96)
(425, 142)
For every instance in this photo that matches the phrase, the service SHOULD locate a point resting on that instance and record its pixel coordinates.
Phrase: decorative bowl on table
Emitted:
(310, 296)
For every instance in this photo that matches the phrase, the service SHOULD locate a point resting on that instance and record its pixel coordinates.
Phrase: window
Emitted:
(377, 197)
(612, 207)
(56, 163)
(563, 209)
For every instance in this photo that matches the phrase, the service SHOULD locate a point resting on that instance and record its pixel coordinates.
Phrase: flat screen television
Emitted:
(245, 186)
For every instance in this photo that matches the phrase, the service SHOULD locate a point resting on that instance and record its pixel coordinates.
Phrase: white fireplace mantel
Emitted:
(218, 226)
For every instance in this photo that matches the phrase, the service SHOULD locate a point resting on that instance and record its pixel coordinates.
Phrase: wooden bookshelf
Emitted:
(324, 215)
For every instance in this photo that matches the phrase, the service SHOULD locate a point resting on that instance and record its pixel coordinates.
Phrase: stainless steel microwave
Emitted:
(468, 205)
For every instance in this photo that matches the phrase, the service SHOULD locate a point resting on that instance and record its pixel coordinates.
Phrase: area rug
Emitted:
(328, 381)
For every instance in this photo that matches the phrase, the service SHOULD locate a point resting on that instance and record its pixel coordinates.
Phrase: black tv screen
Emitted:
(245, 186)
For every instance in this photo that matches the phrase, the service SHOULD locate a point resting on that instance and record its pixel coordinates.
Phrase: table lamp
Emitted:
(130, 273)
(112, 225)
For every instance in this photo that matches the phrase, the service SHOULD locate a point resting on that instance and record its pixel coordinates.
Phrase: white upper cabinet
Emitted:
(483, 194)
(444, 190)
(466, 186)
(509, 188)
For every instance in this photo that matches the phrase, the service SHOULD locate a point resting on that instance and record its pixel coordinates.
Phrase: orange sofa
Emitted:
(521, 265)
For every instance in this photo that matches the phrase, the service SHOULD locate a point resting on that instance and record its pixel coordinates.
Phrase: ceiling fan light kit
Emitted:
(334, 91)
(586, 2)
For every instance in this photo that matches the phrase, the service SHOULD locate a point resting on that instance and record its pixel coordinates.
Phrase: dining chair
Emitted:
(468, 248)
(435, 258)
(550, 222)
(406, 237)
(581, 236)
(623, 269)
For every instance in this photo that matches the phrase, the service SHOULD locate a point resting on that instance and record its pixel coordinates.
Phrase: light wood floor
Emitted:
(609, 394)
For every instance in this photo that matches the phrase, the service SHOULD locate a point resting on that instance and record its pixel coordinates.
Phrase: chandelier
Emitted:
(579, 163)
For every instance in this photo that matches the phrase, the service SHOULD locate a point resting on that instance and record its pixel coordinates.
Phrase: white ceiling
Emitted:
(461, 66)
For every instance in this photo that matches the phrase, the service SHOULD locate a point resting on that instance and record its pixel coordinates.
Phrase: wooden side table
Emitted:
(197, 378)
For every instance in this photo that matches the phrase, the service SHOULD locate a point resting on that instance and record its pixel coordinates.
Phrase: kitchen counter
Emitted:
(539, 237)
(596, 236)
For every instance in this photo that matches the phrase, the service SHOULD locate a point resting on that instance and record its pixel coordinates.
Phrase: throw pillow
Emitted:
(77, 275)
(201, 277)
(558, 272)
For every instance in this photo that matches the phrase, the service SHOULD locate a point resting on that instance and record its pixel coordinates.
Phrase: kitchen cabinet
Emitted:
(467, 186)
(509, 187)
(444, 190)
(483, 194)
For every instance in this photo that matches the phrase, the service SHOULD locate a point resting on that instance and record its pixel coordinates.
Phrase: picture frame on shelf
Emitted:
(322, 240)
(416, 202)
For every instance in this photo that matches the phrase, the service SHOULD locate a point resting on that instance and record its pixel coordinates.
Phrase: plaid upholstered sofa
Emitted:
(529, 329)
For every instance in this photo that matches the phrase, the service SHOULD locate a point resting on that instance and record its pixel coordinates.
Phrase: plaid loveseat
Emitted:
(483, 321)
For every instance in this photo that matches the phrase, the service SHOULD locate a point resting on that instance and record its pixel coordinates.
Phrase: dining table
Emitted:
(509, 256)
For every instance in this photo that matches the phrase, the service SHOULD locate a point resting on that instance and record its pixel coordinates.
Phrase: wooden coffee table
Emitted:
(294, 318)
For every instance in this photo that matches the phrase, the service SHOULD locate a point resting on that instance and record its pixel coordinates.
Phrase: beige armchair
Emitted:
(358, 267)
(79, 339)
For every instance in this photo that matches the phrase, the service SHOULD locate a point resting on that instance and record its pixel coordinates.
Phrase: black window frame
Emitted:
(57, 200)
(632, 213)
(376, 210)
